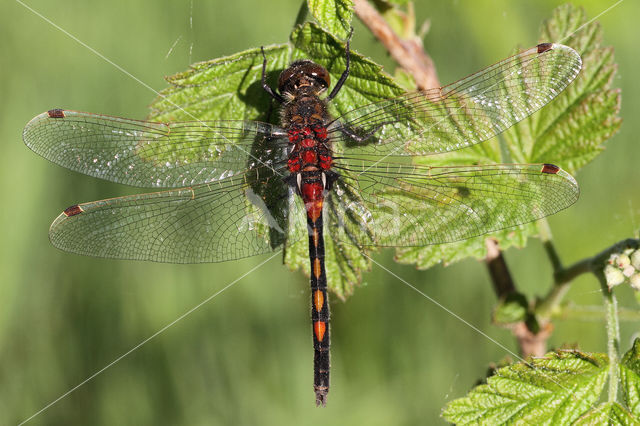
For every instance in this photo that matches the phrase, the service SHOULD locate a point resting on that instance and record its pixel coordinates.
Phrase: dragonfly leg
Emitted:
(265, 86)
(345, 74)
(269, 111)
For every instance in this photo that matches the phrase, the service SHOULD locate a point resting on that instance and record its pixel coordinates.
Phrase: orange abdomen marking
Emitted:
(317, 268)
(319, 328)
(318, 300)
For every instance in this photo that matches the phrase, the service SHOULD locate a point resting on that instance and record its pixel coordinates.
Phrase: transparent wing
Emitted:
(236, 217)
(464, 113)
(394, 204)
(148, 154)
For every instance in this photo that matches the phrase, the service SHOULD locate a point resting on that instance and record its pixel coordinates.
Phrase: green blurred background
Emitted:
(246, 356)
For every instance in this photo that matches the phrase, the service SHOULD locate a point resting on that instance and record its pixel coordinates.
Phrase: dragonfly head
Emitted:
(304, 76)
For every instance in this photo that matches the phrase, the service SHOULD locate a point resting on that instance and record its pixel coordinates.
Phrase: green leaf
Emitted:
(568, 132)
(428, 256)
(514, 308)
(404, 80)
(609, 413)
(556, 389)
(571, 130)
(630, 378)
(222, 88)
(333, 15)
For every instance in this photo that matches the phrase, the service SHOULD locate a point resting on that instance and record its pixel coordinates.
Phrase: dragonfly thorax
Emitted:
(305, 117)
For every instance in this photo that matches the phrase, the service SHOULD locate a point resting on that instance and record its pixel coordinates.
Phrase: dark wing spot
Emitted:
(73, 210)
(463, 191)
(56, 113)
(550, 168)
(543, 47)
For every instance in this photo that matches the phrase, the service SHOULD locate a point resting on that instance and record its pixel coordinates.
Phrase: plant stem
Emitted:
(409, 53)
(563, 277)
(613, 335)
(562, 282)
(547, 242)
(498, 269)
(532, 341)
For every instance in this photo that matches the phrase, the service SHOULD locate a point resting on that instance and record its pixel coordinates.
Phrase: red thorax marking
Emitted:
(294, 164)
(309, 157)
(294, 135)
(325, 162)
(321, 132)
(308, 143)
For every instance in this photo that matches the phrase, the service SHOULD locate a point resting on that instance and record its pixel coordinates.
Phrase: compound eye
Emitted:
(286, 79)
(319, 74)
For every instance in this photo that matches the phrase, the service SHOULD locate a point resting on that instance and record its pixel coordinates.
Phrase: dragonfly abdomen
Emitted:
(310, 163)
(312, 184)
(312, 194)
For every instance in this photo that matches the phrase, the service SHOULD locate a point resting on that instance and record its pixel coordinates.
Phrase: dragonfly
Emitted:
(230, 189)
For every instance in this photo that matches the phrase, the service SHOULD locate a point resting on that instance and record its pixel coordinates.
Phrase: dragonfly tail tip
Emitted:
(321, 396)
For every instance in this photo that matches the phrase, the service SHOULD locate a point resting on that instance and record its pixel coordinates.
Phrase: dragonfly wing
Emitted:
(148, 154)
(228, 219)
(349, 217)
(408, 205)
(463, 113)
